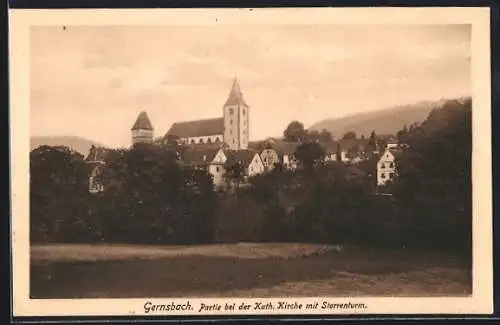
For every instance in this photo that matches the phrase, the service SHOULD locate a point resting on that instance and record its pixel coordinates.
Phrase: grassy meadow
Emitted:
(241, 270)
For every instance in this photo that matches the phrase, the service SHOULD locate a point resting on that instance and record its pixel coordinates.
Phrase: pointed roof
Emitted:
(235, 96)
(142, 122)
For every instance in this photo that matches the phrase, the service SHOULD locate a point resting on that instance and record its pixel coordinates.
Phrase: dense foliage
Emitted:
(151, 198)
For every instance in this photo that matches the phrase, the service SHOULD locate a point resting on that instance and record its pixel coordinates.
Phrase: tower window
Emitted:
(243, 112)
(231, 111)
(231, 122)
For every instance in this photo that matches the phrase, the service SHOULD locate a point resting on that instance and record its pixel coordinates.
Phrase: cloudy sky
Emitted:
(94, 81)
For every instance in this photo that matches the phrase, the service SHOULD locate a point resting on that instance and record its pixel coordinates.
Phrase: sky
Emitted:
(93, 81)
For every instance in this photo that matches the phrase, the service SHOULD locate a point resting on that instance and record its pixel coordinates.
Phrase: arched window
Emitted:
(192, 141)
(231, 111)
(217, 140)
(209, 140)
(201, 140)
(243, 112)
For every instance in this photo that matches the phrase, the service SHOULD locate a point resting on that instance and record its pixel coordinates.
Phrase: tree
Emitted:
(402, 135)
(295, 132)
(350, 135)
(171, 139)
(309, 154)
(58, 189)
(372, 147)
(313, 135)
(434, 175)
(325, 136)
(150, 199)
(234, 174)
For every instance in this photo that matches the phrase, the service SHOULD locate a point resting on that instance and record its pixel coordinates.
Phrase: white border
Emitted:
(481, 302)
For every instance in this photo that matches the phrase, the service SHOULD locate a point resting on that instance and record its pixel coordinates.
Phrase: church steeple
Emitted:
(236, 119)
(235, 95)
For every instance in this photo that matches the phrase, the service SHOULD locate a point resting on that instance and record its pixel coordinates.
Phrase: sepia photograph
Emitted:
(253, 164)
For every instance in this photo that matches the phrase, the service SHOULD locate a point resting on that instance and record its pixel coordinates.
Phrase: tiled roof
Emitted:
(213, 145)
(244, 157)
(142, 122)
(197, 128)
(235, 96)
(199, 156)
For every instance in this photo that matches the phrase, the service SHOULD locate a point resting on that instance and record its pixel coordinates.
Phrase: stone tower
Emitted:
(142, 130)
(236, 119)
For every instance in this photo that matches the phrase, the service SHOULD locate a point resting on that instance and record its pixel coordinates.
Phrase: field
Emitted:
(243, 270)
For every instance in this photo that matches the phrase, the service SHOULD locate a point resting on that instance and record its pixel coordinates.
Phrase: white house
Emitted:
(249, 160)
(386, 166)
(269, 158)
(211, 159)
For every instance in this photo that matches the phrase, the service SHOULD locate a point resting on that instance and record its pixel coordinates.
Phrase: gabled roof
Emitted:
(197, 128)
(97, 153)
(243, 157)
(199, 156)
(235, 96)
(142, 122)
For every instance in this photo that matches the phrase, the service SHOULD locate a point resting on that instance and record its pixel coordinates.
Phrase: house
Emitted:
(210, 159)
(269, 158)
(96, 158)
(232, 128)
(331, 151)
(386, 166)
(249, 161)
(289, 159)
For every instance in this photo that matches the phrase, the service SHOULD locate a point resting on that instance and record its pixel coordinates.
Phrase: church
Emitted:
(231, 130)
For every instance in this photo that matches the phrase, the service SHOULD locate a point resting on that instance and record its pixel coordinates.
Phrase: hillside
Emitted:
(385, 121)
(79, 144)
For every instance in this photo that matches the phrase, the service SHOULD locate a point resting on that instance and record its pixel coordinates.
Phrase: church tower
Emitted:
(236, 119)
(142, 130)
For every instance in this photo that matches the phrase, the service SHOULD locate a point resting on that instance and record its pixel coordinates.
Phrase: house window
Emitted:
(217, 169)
(391, 165)
(382, 176)
(383, 166)
(391, 175)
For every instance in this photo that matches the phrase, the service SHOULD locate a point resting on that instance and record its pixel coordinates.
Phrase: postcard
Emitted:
(279, 161)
